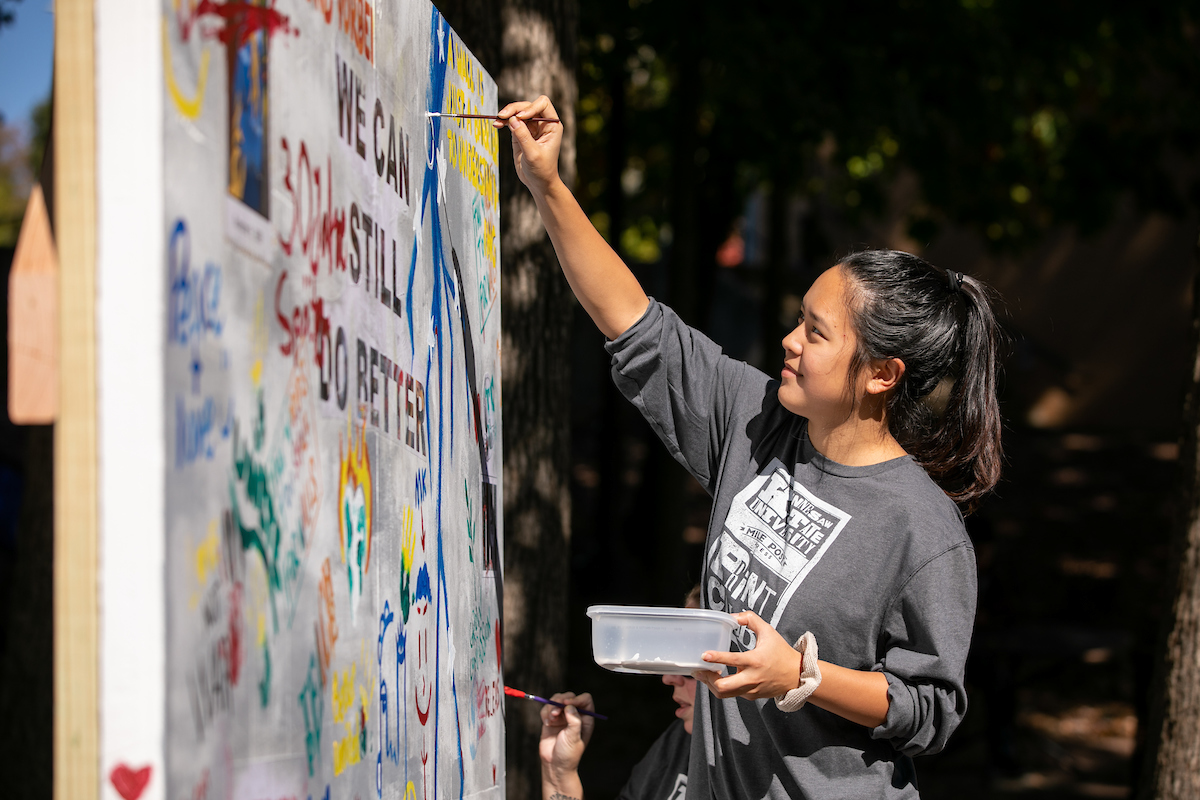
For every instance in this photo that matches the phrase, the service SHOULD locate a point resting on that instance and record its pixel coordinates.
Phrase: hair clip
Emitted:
(956, 280)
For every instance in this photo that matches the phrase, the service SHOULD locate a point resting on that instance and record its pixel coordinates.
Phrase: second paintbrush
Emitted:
(511, 692)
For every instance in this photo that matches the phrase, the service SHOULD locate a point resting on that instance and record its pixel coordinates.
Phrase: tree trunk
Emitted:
(1172, 765)
(529, 47)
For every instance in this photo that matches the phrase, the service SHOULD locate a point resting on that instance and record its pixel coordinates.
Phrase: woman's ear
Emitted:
(883, 375)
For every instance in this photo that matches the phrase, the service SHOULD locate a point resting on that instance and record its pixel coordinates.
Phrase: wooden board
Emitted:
(76, 628)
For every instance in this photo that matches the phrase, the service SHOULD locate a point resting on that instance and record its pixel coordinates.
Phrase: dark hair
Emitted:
(941, 325)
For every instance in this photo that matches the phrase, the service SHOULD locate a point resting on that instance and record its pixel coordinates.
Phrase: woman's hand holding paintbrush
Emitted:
(536, 158)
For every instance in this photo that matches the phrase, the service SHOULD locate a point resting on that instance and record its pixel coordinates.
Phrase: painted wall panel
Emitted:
(331, 405)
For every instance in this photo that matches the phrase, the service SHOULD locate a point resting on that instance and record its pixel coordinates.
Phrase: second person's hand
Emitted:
(565, 732)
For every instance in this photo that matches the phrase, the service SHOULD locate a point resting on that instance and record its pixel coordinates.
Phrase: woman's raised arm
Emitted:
(607, 289)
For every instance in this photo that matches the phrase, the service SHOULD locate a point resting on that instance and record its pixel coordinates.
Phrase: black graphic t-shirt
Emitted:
(874, 560)
(662, 773)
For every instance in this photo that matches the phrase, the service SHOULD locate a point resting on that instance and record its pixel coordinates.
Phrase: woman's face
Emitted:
(685, 695)
(817, 354)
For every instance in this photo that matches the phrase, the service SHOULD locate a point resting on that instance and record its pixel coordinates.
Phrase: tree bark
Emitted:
(529, 47)
(1172, 765)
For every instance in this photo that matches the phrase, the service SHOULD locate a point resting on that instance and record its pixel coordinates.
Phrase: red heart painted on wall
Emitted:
(129, 783)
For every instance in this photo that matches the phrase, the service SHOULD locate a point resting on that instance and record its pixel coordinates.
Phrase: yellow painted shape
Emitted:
(190, 108)
(355, 474)
(345, 753)
(408, 538)
(342, 693)
(259, 343)
(208, 554)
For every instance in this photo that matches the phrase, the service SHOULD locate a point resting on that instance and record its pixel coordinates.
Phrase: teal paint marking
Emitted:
(264, 536)
(312, 704)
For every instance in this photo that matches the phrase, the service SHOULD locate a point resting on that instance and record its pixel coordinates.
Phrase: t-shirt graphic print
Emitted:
(775, 533)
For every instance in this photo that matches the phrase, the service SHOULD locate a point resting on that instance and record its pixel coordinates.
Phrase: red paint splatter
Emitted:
(499, 661)
(240, 20)
(321, 329)
(477, 419)
(284, 322)
(235, 633)
(422, 714)
(128, 782)
(200, 790)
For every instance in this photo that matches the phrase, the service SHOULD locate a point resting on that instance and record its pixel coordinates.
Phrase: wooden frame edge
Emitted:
(76, 606)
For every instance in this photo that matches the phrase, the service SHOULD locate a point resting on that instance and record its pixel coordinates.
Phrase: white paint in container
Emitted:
(653, 640)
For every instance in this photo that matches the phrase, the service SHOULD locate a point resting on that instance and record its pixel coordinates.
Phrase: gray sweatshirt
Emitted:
(662, 772)
(874, 560)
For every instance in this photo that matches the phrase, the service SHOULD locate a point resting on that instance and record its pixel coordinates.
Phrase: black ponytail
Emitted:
(941, 325)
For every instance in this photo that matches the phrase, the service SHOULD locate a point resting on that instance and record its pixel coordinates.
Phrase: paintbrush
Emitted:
(511, 692)
(489, 116)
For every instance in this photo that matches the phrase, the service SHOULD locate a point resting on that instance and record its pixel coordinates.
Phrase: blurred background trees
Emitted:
(1011, 119)
(20, 160)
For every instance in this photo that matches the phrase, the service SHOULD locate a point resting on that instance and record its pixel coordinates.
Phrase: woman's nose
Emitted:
(793, 343)
(673, 680)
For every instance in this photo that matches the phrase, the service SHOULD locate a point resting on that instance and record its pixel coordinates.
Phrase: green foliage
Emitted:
(20, 162)
(14, 183)
(40, 119)
(1015, 117)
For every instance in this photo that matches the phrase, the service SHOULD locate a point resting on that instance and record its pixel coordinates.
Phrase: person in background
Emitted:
(660, 775)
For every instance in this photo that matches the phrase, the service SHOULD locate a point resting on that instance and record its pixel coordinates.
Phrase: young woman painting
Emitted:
(837, 492)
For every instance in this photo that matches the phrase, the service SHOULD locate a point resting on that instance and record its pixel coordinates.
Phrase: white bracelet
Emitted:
(810, 675)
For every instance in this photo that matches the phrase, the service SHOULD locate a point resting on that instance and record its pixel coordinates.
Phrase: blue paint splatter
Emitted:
(423, 586)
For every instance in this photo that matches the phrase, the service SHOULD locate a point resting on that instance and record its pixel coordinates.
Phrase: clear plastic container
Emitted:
(657, 641)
